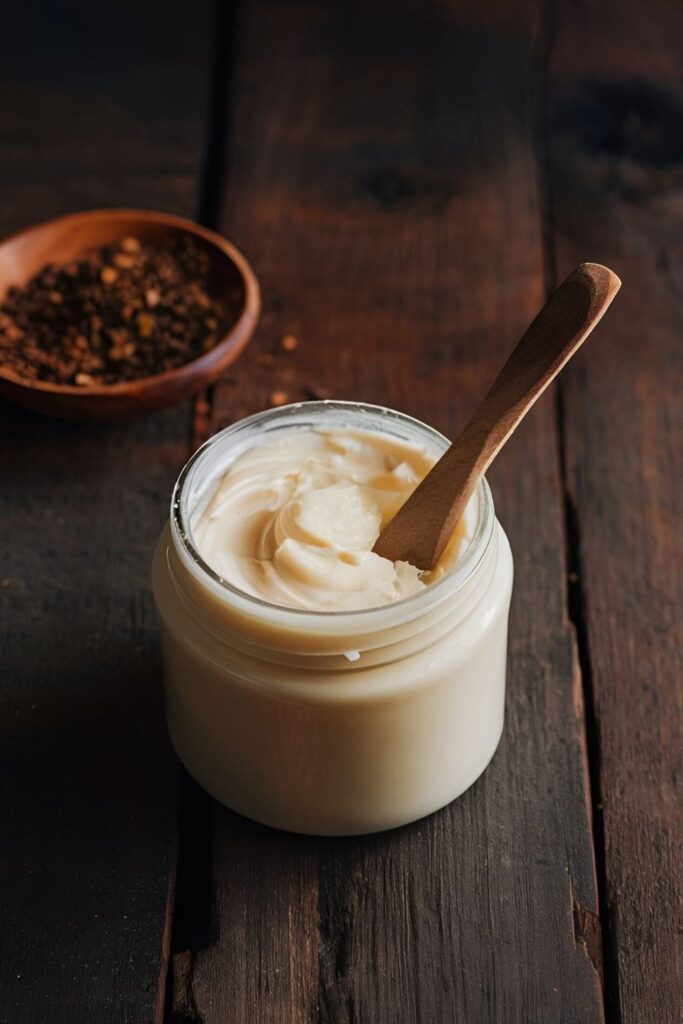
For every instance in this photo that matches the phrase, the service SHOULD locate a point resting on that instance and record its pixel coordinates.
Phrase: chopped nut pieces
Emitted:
(122, 312)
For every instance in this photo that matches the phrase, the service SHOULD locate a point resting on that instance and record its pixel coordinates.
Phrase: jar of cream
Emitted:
(307, 685)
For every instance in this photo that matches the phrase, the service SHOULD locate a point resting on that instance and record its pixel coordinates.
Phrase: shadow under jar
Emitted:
(331, 723)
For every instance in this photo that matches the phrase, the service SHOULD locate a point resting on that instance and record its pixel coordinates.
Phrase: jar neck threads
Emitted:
(354, 650)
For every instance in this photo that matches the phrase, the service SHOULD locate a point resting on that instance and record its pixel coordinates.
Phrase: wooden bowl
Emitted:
(64, 240)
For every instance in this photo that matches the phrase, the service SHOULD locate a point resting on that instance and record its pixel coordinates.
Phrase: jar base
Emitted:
(284, 823)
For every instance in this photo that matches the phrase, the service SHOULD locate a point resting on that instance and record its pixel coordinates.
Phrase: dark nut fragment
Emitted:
(145, 322)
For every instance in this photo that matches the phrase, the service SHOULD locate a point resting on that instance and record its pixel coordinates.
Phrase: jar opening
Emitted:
(203, 470)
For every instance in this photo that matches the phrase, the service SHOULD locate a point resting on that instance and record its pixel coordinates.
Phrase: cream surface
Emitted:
(293, 521)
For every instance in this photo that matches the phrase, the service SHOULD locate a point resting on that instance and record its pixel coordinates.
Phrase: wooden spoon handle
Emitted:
(422, 527)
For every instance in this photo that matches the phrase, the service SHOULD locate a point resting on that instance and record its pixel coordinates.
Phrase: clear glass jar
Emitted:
(331, 723)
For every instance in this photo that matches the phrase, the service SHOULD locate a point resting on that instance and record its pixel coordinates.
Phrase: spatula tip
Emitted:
(599, 272)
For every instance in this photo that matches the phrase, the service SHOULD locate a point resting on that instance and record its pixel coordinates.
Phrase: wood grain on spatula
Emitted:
(420, 530)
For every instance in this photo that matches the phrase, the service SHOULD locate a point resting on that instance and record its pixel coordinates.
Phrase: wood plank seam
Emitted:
(215, 163)
(193, 906)
(576, 605)
(594, 935)
(585, 929)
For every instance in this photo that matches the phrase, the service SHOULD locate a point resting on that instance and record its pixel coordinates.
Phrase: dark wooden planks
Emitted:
(617, 178)
(88, 820)
(382, 180)
(102, 107)
(99, 107)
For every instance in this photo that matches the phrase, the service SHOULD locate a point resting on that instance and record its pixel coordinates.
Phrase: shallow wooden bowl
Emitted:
(64, 240)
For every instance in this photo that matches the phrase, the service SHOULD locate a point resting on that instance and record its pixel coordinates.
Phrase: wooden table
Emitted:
(409, 180)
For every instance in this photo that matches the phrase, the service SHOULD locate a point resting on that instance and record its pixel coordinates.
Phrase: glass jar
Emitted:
(331, 723)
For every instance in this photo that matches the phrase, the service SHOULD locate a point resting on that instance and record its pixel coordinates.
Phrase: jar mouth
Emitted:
(358, 415)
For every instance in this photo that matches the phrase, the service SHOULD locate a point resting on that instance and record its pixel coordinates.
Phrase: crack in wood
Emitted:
(193, 915)
(335, 1002)
(183, 1007)
(588, 934)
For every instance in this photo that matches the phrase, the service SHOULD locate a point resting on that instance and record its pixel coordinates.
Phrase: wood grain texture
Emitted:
(382, 183)
(87, 815)
(616, 164)
(422, 527)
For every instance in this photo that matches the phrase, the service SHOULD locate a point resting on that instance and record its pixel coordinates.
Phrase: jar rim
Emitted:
(284, 615)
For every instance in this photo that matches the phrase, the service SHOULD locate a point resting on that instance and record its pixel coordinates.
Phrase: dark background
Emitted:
(409, 179)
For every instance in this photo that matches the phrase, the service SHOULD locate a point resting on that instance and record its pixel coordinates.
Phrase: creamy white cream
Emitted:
(294, 521)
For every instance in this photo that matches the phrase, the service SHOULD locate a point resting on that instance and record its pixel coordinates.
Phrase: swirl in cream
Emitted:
(293, 521)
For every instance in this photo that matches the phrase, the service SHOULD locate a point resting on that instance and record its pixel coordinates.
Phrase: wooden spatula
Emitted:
(421, 528)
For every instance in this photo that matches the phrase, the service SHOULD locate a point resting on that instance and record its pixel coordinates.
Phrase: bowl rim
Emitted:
(231, 343)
